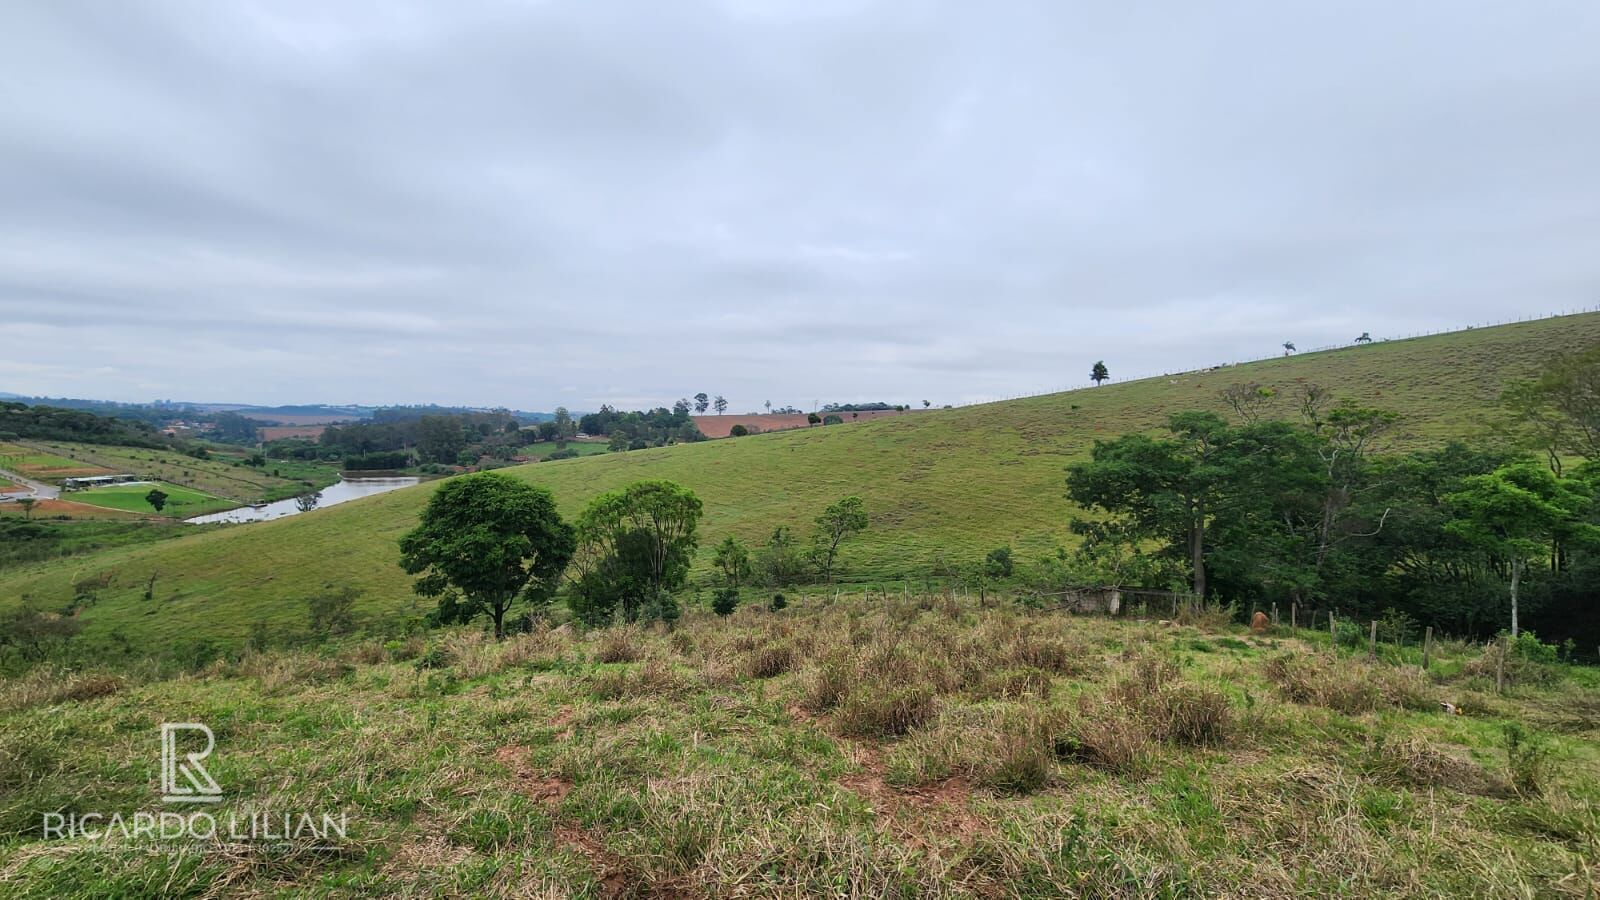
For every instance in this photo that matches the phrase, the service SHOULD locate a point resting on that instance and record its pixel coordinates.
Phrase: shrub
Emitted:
(778, 602)
(1527, 759)
(1022, 764)
(886, 712)
(437, 656)
(1347, 685)
(1114, 743)
(769, 661)
(1014, 683)
(618, 645)
(725, 601)
(826, 683)
(1412, 761)
(332, 611)
(738, 431)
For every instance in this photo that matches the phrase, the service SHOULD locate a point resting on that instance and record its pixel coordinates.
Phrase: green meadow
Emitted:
(181, 501)
(921, 747)
(222, 475)
(941, 487)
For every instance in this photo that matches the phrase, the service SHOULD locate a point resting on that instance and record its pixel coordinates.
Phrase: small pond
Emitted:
(332, 495)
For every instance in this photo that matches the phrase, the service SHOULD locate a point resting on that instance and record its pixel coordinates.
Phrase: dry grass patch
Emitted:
(45, 686)
(1348, 685)
(620, 644)
(890, 711)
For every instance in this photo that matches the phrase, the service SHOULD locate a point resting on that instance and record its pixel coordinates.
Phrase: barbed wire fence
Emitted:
(1214, 367)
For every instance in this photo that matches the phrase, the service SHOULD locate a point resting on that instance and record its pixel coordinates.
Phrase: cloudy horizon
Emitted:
(533, 204)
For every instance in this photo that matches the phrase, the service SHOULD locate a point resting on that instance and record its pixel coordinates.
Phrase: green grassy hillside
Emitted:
(939, 485)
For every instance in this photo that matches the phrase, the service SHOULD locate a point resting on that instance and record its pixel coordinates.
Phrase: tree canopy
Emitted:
(484, 541)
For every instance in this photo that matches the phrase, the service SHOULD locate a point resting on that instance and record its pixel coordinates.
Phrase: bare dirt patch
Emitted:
(547, 789)
(920, 814)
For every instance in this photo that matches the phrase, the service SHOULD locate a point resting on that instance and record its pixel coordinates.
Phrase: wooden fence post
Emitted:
(1427, 647)
(1500, 667)
(1333, 630)
(1294, 623)
(1372, 641)
(1274, 615)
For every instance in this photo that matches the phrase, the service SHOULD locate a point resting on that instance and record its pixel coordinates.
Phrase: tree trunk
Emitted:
(1197, 558)
(1516, 577)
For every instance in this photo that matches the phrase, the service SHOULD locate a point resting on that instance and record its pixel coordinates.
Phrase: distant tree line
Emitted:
(54, 423)
(658, 427)
(443, 439)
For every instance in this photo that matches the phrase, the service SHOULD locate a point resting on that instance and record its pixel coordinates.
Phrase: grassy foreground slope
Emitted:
(900, 748)
(939, 485)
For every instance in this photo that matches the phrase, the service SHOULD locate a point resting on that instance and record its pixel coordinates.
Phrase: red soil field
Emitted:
(280, 432)
(719, 426)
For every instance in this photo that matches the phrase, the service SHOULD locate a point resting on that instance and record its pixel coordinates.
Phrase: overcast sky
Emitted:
(542, 203)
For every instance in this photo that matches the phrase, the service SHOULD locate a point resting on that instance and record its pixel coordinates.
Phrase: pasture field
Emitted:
(925, 747)
(223, 475)
(39, 465)
(941, 487)
(45, 538)
(583, 448)
(181, 502)
(64, 510)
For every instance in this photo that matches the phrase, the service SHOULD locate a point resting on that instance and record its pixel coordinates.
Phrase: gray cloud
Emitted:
(542, 203)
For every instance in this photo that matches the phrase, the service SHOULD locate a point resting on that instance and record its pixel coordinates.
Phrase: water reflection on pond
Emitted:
(332, 495)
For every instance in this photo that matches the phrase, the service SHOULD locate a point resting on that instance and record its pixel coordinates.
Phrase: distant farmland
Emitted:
(719, 426)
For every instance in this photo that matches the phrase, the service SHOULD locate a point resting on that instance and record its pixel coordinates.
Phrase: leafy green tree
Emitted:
(566, 429)
(721, 403)
(1517, 513)
(738, 431)
(813, 419)
(157, 498)
(780, 560)
(840, 520)
(484, 541)
(637, 544)
(1288, 347)
(681, 408)
(1175, 490)
(440, 439)
(998, 563)
(1099, 373)
(732, 559)
(833, 419)
(701, 403)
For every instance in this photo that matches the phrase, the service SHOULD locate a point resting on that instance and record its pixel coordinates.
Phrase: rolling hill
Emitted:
(941, 485)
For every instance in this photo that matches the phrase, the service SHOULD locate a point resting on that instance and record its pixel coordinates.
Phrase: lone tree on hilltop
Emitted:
(1288, 347)
(1365, 338)
(701, 403)
(484, 541)
(721, 403)
(1099, 373)
(157, 498)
